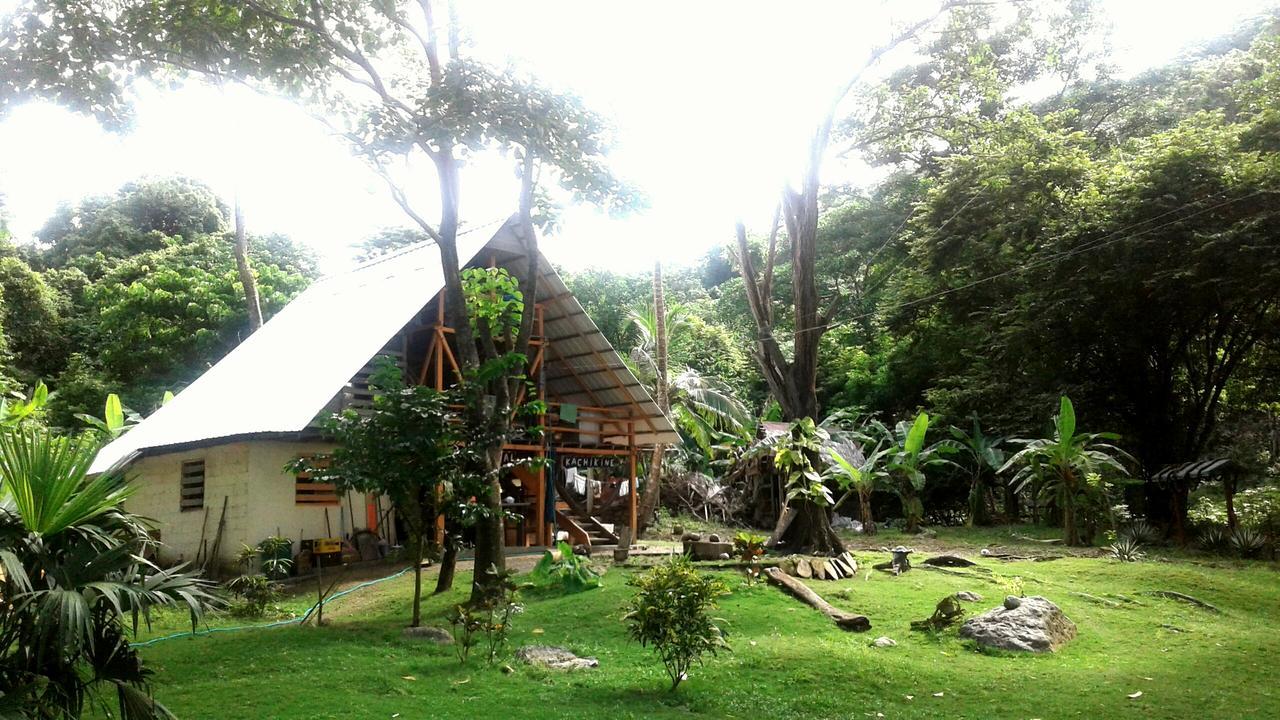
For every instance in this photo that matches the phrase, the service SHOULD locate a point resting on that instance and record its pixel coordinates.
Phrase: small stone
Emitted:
(554, 658)
(582, 549)
(968, 596)
(1012, 602)
(507, 669)
(713, 538)
(436, 635)
(884, 642)
(724, 556)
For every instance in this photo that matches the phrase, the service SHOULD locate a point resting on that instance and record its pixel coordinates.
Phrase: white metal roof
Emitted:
(282, 376)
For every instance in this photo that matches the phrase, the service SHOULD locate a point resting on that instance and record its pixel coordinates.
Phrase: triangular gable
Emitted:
(284, 375)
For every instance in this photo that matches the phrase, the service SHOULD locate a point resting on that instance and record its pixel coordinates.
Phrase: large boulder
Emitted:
(1033, 625)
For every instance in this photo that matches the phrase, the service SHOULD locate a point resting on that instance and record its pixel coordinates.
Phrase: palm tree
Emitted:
(706, 411)
(75, 579)
(656, 328)
(985, 456)
(1061, 464)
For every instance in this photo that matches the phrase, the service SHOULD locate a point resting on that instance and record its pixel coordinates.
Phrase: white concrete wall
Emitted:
(259, 498)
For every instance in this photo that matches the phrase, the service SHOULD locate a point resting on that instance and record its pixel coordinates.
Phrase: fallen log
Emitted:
(1186, 599)
(842, 619)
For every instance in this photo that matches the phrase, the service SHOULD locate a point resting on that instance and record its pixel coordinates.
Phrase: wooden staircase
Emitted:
(585, 530)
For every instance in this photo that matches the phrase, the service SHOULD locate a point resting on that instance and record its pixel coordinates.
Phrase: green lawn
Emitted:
(787, 660)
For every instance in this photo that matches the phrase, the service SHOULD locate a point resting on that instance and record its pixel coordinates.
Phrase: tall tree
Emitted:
(792, 380)
(379, 75)
(247, 282)
(653, 488)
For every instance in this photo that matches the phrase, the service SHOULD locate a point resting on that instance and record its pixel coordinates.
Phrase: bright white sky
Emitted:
(713, 103)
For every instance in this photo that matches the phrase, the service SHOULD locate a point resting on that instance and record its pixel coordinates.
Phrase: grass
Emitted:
(787, 660)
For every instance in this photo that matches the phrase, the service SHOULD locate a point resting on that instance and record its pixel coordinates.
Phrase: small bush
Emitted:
(1141, 532)
(254, 595)
(749, 548)
(1127, 549)
(489, 621)
(1246, 542)
(1213, 539)
(568, 572)
(671, 612)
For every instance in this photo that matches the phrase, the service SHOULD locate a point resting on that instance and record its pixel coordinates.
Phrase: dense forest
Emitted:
(1113, 240)
(135, 293)
(1042, 227)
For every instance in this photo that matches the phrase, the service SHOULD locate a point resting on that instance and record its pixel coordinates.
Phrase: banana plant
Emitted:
(906, 460)
(19, 407)
(1060, 465)
(116, 419)
(985, 458)
(857, 473)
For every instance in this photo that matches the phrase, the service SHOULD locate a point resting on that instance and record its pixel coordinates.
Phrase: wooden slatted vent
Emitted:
(192, 490)
(358, 395)
(306, 491)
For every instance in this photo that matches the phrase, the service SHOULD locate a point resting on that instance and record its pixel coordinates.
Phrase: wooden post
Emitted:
(631, 481)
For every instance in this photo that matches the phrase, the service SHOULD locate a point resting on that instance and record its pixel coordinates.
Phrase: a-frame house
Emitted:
(216, 454)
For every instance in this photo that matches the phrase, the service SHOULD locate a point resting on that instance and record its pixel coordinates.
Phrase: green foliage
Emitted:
(671, 613)
(1256, 507)
(19, 407)
(116, 419)
(487, 623)
(1246, 542)
(563, 570)
(74, 558)
(797, 457)
(985, 459)
(255, 595)
(907, 459)
(1126, 549)
(749, 548)
(494, 300)
(1059, 468)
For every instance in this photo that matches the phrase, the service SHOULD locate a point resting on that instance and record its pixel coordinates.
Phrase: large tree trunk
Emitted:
(805, 527)
(247, 281)
(448, 563)
(653, 487)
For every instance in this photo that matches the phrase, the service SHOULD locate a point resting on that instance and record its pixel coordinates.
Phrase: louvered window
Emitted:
(192, 490)
(306, 491)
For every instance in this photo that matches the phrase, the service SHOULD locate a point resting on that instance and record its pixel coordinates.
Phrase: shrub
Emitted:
(749, 548)
(488, 620)
(1247, 542)
(1141, 532)
(255, 593)
(1213, 539)
(671, 612)
(1127, 549)
(564, 570)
